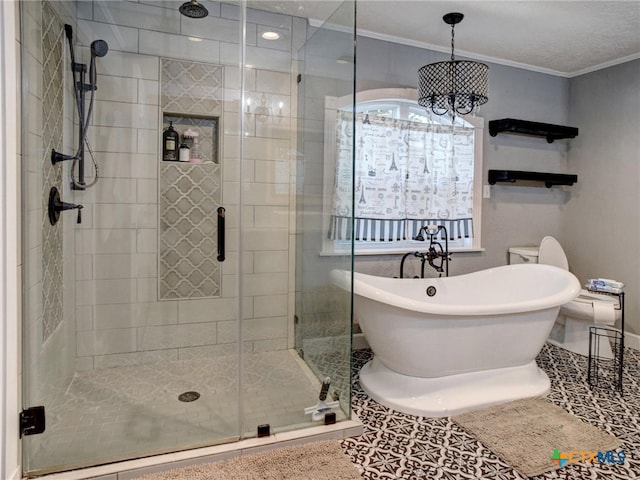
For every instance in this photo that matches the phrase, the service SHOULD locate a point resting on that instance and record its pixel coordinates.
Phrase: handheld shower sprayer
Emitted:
(99, 48)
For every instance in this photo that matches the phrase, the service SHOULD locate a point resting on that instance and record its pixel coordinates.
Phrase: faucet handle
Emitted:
(56, 206)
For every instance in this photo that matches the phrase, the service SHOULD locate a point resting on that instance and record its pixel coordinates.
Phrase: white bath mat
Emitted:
(527, 433)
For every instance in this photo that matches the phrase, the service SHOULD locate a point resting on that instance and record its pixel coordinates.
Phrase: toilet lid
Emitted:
(551, 253)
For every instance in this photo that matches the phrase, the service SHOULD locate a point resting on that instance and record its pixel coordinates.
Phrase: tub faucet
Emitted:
(437, 256)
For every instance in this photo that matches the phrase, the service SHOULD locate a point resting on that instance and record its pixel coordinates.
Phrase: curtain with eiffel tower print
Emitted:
(407, 174)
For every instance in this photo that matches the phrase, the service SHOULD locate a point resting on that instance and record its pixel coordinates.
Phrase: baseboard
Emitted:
(360, 342)
(632, 340)
(16, 475)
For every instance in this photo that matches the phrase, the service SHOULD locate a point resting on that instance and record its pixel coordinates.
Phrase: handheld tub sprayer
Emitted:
(317, 411)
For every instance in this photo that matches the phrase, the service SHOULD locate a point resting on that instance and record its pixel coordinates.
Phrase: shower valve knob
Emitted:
(56, 206)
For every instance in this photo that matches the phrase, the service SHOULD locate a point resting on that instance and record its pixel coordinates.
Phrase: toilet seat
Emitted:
(551, 253)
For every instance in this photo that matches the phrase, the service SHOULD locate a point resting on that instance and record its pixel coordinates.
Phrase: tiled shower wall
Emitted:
(119, 319)
(48, 249)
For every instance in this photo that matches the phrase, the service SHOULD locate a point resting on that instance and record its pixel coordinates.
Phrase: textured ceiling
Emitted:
(565, 38)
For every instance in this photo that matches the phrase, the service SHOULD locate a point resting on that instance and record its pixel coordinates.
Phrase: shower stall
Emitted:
(189, 304)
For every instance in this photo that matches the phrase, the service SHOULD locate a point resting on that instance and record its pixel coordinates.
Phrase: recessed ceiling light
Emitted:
(195, 39)
(271, 35)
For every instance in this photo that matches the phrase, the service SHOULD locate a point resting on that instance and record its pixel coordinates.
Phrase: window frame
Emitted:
(391, 96)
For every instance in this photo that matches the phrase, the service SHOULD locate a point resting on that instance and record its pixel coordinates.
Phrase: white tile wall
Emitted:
(128, 165)
(117, 89)
(271, 261)
(121, 114)
(130, 265)
(119, 318)
(214, 28)
(148, 92)
(103, 342)
(174, 336)
(118, 37)
(270, 305)
(138, 15)
(178, 46)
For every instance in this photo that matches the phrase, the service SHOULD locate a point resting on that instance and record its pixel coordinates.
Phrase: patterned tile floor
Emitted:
(399, 446)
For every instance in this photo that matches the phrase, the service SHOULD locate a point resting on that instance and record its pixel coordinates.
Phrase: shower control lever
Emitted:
(56, 206)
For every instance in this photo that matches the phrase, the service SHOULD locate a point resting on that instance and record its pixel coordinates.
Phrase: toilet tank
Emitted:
(523, 255)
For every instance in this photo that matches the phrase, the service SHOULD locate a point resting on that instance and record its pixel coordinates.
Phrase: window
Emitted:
(411, 169)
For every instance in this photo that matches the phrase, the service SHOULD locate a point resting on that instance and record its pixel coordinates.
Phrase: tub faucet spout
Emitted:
(437, 256)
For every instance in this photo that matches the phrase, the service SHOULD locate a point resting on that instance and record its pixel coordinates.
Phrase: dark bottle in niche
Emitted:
(170, 142)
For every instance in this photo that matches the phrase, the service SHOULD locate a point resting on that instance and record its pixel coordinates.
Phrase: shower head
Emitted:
(193, 9)
(99, 48)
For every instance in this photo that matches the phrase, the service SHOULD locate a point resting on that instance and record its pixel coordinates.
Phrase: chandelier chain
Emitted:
(453, 33)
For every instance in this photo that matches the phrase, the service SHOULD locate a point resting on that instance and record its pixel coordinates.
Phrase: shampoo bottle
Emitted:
(170, 139)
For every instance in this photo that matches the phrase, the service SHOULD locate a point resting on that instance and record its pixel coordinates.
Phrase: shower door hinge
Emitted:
(299, 78)
(32, 421)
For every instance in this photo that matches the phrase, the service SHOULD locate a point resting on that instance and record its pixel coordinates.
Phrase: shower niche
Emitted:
(191, 98)
(204, 149)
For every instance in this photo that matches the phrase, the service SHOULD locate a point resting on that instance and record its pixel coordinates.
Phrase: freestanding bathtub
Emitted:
(443, 346)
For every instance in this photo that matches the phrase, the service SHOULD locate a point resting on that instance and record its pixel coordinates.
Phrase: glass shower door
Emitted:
(142, 334)
(323, 311)
(130, 305)
(282, 235)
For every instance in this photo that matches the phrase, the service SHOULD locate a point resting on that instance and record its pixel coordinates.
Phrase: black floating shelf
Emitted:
(547, 130)
(549, 179)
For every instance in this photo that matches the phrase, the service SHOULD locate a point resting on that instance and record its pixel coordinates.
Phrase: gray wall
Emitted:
(601, 229)
(597, 219)
(514, 215)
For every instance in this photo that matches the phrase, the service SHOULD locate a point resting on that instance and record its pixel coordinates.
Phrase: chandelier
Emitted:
(456, 86)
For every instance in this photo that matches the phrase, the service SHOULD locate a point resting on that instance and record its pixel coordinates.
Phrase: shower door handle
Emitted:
(221, 234)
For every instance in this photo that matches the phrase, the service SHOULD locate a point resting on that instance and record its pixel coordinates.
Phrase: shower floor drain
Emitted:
(188, 396)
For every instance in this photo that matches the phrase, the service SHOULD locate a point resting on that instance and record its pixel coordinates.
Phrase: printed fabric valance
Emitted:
(407, 174)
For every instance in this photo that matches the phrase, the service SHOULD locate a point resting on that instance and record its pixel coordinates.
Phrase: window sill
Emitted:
(358, 253)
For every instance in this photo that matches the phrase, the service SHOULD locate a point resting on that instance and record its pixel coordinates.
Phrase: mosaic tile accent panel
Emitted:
(395, 445)
(52, 121)
(188, 249)
(190, 193)
(191, 88)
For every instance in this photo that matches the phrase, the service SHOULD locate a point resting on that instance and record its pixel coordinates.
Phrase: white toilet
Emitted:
(571, 330)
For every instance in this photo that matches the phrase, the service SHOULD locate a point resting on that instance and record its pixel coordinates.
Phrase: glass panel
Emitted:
(323, 310)
(131, 317)
(132, 307)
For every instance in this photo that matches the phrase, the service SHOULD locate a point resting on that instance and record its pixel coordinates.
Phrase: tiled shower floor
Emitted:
(399, 446)
(115, 413)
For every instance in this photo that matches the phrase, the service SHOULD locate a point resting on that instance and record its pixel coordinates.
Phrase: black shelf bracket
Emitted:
(549, 179)
(549, 131)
